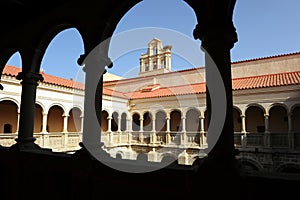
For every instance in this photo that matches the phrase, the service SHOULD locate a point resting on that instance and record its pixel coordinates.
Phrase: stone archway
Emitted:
(74, 120)
(55, 119)
(8, 117)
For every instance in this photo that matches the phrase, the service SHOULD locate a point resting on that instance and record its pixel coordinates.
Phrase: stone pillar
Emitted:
(202, 124)
(168, 61)
(266, 123)
(110, 133)
(94, 62)
(183, 131)
(158, 62)
(150, 62)
(153, 135)
(129, 124)
(168, 124)
(217, 33)
(65, 128)
(29, 83)
(267, 136)
(290, 122)
(18, 121)
(129, 129)
(244, 136)
(141, 135)
(142, 65)
(81, 127)
(44, 125)
(202, 132)
(168, 135)
(243, 118)
(119, 124)
(109, 118)
(153, 124)
(291, 134)
(141, 124)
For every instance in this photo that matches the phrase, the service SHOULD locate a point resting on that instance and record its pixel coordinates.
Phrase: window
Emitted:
(7, 128)
(147, 67)
(162, 64)
(154, 65)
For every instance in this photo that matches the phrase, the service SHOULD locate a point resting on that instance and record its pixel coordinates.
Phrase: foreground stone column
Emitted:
(219, 169)
(94, 63)
(29, 83)
(44, 125)
(217, 33)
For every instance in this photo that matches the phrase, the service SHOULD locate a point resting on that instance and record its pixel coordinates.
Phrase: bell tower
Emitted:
(156, 60)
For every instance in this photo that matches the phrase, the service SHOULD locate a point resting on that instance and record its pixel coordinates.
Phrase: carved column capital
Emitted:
(30, 77)
(215, 23)
(104, 60)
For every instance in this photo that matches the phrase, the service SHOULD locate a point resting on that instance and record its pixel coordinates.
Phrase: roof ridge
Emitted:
(265, 75)
(75, 84)
(266, 57)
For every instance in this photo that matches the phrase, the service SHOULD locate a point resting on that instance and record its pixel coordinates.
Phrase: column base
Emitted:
(25, 144)
(220, 177)
(83, 153)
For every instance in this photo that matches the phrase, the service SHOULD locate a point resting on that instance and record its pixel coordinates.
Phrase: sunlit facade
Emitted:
(161, 114)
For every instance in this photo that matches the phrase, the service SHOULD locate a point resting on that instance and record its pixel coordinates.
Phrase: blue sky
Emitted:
(264, 27)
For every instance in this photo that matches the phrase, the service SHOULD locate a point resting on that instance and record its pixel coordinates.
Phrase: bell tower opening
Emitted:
(156, 60)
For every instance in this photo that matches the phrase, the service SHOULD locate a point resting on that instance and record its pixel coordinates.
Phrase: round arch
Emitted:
(55, 118)
(238, 109)
(51, 33)
(192, 120)
(288, 168)
(76, 107)
(124, 121)
(136, 121)
(12, 100)
(295, 106)
(38, 118)
(277, 104)
(255, 121)
(59, 105)
(237, 121)
(175, 120)
(147, 121)
(295, 111)
(8, 116)
(104, 120)
(249, 164)
(206, 119)
(115, 121)
(74, 120)
(256, 105)
(160, 121)
(41, 105)
(278, 120)
(120, 155)
(6, 54)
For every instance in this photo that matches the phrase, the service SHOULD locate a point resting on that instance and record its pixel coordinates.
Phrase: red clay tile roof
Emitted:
(150, 88)
(152, 91)
(254, 82)
(169, 91)
(13, 71)
(269, 80)
(114, 93)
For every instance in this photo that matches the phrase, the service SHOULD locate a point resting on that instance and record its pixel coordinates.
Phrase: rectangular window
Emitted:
(154, 65)
(147, 67)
